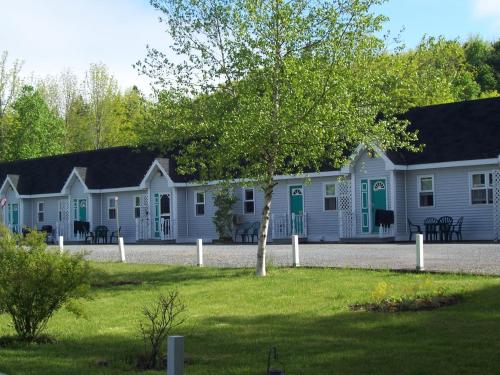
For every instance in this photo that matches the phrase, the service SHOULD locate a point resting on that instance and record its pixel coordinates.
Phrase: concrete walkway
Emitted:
(464, 257)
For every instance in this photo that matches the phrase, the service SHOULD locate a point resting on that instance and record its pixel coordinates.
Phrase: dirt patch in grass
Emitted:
(407, 304)
(116, 283)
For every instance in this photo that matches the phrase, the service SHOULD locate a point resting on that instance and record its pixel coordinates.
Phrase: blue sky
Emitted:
(52, 35)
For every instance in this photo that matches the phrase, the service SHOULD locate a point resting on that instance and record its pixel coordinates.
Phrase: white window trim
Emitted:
(137, 206)
(419, 177)
(196, 192)
(111, 208)
(487, 187)
(38, 211)
(330, 196)
(245, 200)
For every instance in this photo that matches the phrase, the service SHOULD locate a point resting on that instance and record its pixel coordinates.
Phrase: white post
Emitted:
(295, 250)
(175, 355)
(61, 244)
(199, 247)
(122, 249)
(420, 251)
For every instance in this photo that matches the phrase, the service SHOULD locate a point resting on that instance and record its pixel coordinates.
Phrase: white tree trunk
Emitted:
(264, 227)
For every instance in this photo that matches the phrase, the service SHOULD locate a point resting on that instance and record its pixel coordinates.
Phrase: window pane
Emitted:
(490, 179)
(200, 197)
(478, 180)
(330, 204)
(200, 209)
(478, 196)
(112, 202)
(249, 194)
(426, 184)
(426, 199)
(137, 212)
(490, 195)
(330, 189)
(249, 207)
(164, 205)
(40, 206)
(40, 216)
(137, 201)
(112, 213)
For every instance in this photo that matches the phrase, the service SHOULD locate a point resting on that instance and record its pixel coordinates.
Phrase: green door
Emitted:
(378, 199)
(13, 217)
(296, 208)
(365, 221)
(82, 210)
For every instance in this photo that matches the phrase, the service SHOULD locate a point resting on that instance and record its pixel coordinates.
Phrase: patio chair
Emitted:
(242, 231)
(431, 229)
(414, 229)
(101, 233)
(49, 234)
(254, 231)
(445, 224)
(115, 234)
(457, 229)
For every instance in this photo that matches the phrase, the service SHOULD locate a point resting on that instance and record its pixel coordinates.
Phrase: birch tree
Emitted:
(256, 88)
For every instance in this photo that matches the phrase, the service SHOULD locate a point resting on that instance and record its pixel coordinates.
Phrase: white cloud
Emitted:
(488, 10)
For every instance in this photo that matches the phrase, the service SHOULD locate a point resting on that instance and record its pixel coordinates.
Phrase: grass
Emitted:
(235, 317)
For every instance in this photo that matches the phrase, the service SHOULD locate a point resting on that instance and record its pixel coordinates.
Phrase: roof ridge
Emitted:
(70, 153)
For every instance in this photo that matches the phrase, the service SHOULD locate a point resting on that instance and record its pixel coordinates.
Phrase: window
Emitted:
(40, 212)
(481, 188)
(330, 197)
(249, 201)
(425, 191)
(112, 208)
(137, 207)
(199, 203)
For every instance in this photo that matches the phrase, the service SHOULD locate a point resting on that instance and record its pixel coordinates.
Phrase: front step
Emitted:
(155, 242)
(287, 241)
(355, 240)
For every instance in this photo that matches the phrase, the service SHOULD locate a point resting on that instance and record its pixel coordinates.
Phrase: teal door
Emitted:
(296, 208)
(365, 221)
(82, 210)
(13, 216)
(378, 199)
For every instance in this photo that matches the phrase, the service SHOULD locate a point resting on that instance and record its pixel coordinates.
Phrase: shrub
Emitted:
(224, 200)
(161, 318)
(36, 282)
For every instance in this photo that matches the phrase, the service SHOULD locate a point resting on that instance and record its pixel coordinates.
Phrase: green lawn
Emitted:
(234, 317)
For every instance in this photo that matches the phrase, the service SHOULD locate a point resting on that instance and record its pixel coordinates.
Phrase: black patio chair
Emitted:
(414, 229)
(457, 229)
(445, 225)
(115, 234)
(253, 232)
(243, 231)
(431, 229)
(49, 233)
(101, 233)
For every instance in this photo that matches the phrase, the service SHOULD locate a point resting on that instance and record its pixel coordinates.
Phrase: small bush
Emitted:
(160, 319)
(420, 296)
(224, 200)
(35, 282)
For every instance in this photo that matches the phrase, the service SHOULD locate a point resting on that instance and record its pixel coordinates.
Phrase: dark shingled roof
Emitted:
(100, 169)
(453, 132)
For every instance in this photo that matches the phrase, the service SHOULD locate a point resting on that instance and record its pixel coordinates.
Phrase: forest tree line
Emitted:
(54, 115)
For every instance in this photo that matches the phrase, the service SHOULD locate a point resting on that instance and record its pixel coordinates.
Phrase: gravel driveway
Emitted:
(465, 257)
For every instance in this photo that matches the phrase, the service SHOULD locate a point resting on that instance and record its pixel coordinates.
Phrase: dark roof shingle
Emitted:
(453, 132)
